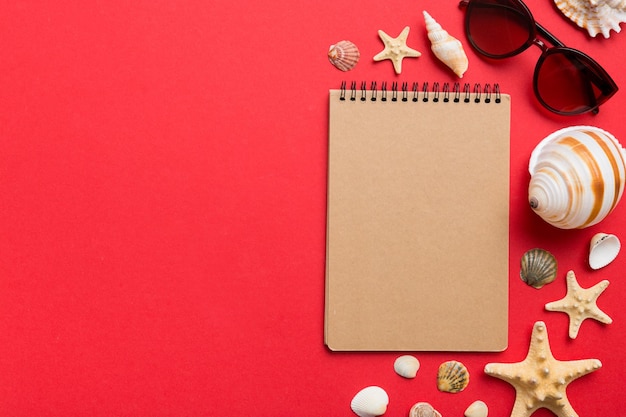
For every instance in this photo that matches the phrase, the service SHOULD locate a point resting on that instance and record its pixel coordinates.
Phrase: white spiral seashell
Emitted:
(597, 16)
(446, 48)
(370, 402)
(577, 176)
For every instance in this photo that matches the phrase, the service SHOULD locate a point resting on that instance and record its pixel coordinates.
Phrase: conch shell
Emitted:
(577, 176)
(597, 16)
(446, 48)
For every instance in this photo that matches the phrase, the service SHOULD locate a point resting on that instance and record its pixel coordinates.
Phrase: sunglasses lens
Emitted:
(568, 82)
(499, 28)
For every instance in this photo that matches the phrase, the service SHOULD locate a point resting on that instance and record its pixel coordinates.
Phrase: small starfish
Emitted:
(396, 49)
(540, 380)
(580, 304)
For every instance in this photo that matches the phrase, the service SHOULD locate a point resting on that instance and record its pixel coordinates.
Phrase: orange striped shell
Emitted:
(577, 177)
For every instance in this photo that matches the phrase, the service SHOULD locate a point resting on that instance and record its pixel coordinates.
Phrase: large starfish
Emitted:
(580, 304)
(396, 49)
(540, 380)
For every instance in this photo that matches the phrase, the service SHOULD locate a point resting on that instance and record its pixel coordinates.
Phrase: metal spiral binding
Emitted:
(438, 92)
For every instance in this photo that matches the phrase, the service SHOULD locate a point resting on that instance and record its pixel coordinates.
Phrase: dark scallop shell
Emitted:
(538, 267)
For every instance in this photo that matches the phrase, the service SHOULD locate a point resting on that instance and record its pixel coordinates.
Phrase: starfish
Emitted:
(580, 304)
(540, 380)
(396, 49)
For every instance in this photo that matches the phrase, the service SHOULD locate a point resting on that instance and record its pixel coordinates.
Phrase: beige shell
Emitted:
(452, 377)
(446, 48)
(371, 401)
(423, 409)
(597, 16)
(344, 55)
(406, 366)
(477, 409)
(603, 249)
(538, 267)
(577, 176)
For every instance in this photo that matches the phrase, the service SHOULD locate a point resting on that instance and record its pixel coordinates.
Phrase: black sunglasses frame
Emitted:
(593, 72)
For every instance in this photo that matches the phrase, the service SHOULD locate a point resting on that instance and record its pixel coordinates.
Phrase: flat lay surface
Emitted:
(163, 210)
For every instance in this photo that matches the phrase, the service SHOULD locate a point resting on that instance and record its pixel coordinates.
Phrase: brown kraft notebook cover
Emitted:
(417, 222)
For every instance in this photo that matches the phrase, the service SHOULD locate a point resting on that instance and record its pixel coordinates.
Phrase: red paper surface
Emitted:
(162, 210)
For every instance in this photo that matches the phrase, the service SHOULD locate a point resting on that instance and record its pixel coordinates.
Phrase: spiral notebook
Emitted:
(417, 220)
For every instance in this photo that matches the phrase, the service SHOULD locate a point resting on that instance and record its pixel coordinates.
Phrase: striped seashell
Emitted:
(344, 55)
(596, 16)
(538, 268)
(446, 48)
(370, 402)
(423, 409)
(452, 377)
(577, 177)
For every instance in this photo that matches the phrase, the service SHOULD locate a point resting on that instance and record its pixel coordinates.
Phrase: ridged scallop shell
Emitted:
(344, 55)
(452, 377)
(597, 16)
(538, 267)
(423, 409)
(603, 249)
(477, 409)
(577, 176)
(370, 402)
(406, 366)
(446, 48)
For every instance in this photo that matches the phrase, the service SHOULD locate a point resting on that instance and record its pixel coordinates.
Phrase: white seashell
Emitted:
(344, 55)
(370, 402)
(423, 409)
(446, 48)
(477, 409)
(406, 366)
(577, 176)
(603, 250)
(597, 16)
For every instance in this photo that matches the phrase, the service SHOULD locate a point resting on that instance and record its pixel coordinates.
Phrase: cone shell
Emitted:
(603, 250)
(538, 267)
(370, 402)
(452, 377)
(344, 55)
(477, 409)
(446, 48)
(423, 409)
(597, 16)
(406, 366)
(577, 176)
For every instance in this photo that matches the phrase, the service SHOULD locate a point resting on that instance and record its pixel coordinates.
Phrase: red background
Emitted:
(162, 210)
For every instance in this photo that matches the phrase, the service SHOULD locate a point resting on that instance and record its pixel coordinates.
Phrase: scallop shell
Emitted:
(597, 16)
(452, 377)
(370, 402)
(423, 409)
(477, 409)
(344, 55)
(538, 267)
(406, 366)
(603, 250)
(446, 48)
(577, 176)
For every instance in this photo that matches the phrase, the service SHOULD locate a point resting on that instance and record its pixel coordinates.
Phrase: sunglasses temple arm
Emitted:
(544, 32)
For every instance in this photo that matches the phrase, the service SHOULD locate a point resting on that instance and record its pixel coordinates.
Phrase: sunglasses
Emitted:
(566, 81)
